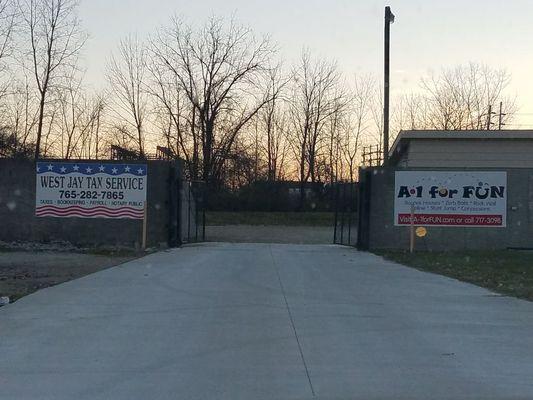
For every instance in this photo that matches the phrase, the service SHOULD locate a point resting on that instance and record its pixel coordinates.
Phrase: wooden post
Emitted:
(412, 231)
(145, 223)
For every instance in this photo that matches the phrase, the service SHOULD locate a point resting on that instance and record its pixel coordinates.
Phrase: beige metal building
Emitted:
(463, 149)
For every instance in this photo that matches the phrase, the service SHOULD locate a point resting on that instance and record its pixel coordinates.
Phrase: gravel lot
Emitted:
(270, 234)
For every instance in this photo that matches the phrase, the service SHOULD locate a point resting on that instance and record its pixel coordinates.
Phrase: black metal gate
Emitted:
(186, 219)
(346, 216)
(193, 197)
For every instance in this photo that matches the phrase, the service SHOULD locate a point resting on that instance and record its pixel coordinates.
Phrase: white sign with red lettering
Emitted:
(451, 198)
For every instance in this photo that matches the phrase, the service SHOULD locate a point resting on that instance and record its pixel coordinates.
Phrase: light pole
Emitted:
(389, 19)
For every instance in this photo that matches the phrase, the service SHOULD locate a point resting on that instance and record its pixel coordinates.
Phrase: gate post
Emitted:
(365, 196)
(336, 201)
(174, 204)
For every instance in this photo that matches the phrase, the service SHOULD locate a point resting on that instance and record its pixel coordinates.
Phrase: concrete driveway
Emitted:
(259, 321)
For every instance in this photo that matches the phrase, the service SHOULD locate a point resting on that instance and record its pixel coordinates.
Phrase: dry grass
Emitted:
(508, 272)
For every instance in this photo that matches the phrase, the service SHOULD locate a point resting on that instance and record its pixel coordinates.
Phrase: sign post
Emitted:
(412, 231)
(145, 223)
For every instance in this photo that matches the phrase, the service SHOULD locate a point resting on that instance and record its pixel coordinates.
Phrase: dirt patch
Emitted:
(24, 272)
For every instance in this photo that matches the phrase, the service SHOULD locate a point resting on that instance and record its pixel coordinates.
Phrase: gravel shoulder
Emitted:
(24, 272)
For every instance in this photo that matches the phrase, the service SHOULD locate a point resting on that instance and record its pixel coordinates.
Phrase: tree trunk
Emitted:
(208, 151)
(40, 126)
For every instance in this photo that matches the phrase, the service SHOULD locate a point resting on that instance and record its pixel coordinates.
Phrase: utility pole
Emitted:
(389, 19)
(500, 117)
(489, 117)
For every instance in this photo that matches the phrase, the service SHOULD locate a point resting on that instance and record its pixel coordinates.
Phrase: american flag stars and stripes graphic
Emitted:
(90, 190)
(91, 168)
(89, 212)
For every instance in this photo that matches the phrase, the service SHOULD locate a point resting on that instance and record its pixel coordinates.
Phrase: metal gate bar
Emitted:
(346, 205)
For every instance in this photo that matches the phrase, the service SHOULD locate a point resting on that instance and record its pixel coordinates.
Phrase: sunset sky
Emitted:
(427, 35)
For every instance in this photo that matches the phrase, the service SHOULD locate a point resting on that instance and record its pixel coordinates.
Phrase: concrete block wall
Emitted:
(18, 221)
(518, 233)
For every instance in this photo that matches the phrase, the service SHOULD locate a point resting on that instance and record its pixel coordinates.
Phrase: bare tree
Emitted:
(409, 111)
(10, 142)
(55, 41)
(219, 69)
(359, 122)
(376, 111)
(18, 118)
(316, 96)
(120, 135)
(454, 99)
(71, 110)
(337, 128)
(8, 22)
(95, 114)
(18, 114)
(79, 120)
(458, 98)
(175, 115)
(126, 74)
(271, 123)
(241, 166)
